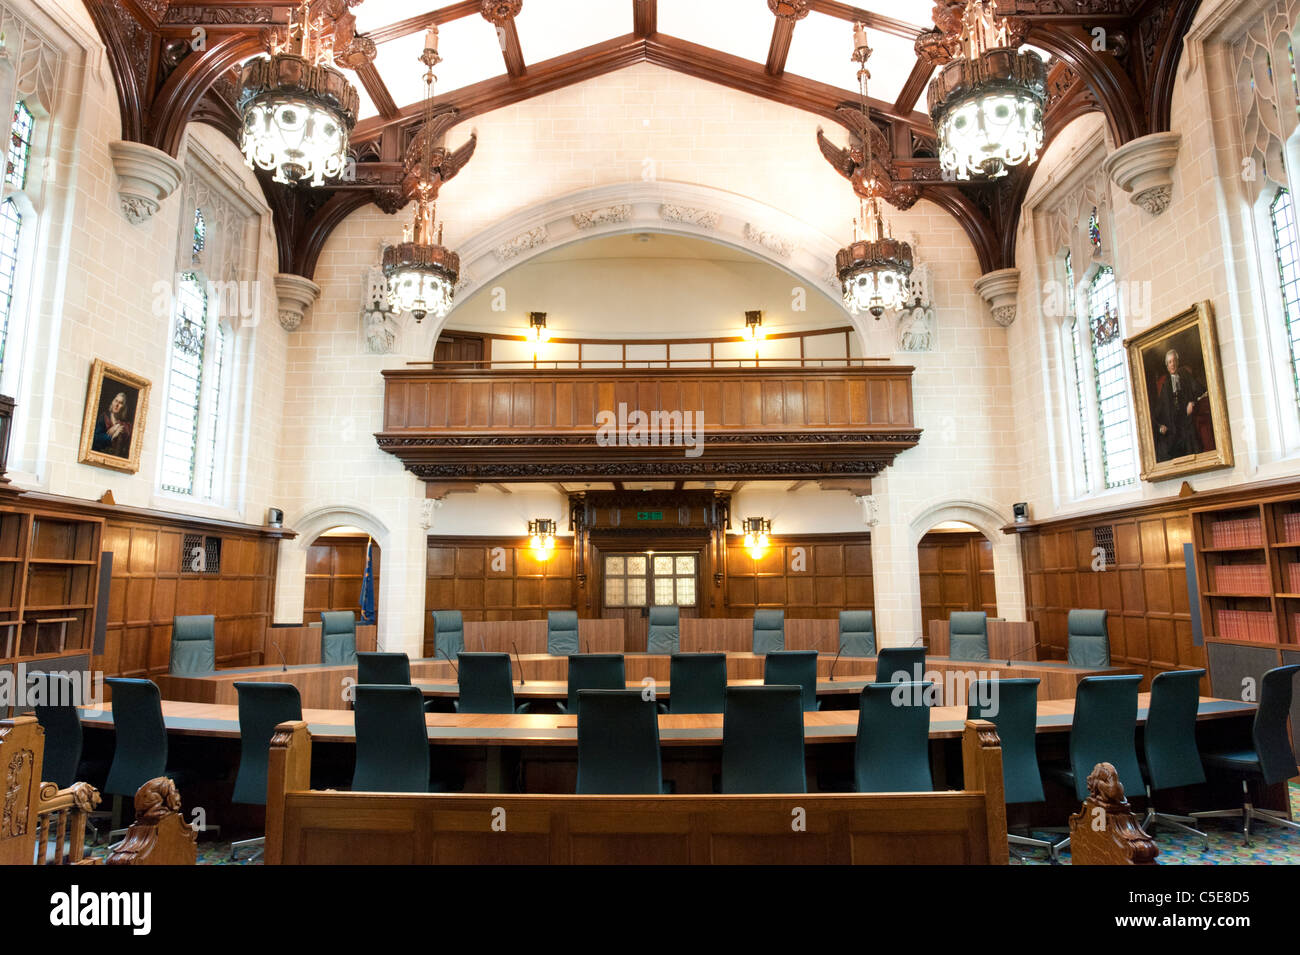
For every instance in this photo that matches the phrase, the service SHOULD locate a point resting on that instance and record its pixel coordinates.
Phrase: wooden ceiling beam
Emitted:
(913, 86)
(377, 90)
(510, 48)
(874, 21)
(425, 20)
(645, 17)
(779, 50)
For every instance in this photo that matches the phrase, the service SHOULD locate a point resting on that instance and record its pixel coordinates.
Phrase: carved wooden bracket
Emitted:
(1106, 831)
(159, 835)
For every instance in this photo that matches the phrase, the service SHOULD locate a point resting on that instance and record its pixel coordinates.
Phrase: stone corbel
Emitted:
(294, 295)
(999, 289)
(145, 177)
(1144, 167)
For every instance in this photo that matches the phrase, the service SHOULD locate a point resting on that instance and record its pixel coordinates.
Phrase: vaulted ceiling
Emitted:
(1116, 56)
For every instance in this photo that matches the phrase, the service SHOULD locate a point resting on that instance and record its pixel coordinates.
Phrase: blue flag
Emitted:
(368, 589)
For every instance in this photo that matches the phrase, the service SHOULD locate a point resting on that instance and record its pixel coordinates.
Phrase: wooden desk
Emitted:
(545, 677)
(301, 645)
(1015, 640)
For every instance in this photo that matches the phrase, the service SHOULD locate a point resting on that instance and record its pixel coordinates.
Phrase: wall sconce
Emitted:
(541, 533)
(6, 423)
(757, 531)
(537, 332)
(754, 326)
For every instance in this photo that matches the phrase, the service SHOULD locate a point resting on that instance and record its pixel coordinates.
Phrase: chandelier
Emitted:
(987, 104)
(873, 269)
(296, 110)
(421, 272)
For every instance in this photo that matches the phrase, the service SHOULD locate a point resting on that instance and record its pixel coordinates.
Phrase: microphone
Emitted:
(1034, 646)
(831, 678)
(448, 659)
(480, 643)
(588, 650)
(284, 667)
(519, 663)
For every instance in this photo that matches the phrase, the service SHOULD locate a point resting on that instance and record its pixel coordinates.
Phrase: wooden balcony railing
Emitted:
(784, 421)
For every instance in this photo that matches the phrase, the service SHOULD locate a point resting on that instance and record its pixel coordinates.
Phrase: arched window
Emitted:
(1118, 464)
(1286, 246)
(191, 448)
(12, 220)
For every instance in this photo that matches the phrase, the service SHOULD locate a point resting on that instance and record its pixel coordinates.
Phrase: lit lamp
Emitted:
(757, 531)
(537, 333)
(296, 110)
(541, 534)
(6, 423)
(754, 326)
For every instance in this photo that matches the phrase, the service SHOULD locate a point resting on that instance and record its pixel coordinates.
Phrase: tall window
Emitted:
(11, 216)
(191, 429)
(1076, 359)
(1286, 245)
(1117, 459)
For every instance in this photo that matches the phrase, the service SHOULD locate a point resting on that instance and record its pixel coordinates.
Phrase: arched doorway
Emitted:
(955, 562)
(335, 571)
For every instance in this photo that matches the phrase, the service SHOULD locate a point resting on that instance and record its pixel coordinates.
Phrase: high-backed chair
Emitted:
(1169, 742)
(892, 754)
(665, 633)
(194, 646)
(1012, 706)
(486, 683)
(593, 671)
(1088, 639)
(968, 635)
(1269, 760)
(698, 683)
(769, 631)
(1104, 730)
(448, 634)
(562, 632)
(338, 638)
(857, 633)
(139, 743)
(57, 715)
(392, 669)
(762, 740)
(793, 668)
(392, 742)
(262, 707)
(900, 664)
(618, 744)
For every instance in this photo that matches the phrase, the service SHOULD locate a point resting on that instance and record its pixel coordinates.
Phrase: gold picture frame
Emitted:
(1182, 426)
(112, 429)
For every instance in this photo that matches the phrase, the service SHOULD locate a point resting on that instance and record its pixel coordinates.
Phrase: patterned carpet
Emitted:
(1273, 845)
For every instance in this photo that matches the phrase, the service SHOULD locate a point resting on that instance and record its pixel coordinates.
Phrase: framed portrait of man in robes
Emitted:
(1182, 418)
(112, 431)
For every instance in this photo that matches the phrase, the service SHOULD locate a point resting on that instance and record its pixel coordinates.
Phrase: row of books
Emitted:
(1247, 532)
(1245, 578)
(1293, 578)
(1291, 525)
(1254, 625)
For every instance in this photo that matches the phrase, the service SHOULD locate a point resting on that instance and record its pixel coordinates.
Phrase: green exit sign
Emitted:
(649, 515)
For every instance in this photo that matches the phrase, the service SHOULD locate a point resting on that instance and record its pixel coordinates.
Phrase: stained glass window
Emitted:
(11, 224)
(1075, 349)
(1094, 231)
(1118, 464)
(200, 235)
(20, 146)
(185, 386)
(1286, 246)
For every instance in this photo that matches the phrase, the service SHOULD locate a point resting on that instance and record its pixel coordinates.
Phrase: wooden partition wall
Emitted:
(336, 567)
(956, 570)
(809, 576)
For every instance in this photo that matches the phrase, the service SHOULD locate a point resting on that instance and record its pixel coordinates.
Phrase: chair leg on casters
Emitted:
(258, 846)
(1183, 823)
(1247, 814)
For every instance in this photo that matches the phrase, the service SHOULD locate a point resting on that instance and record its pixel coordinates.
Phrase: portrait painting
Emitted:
(112, 431)
(1178, 389)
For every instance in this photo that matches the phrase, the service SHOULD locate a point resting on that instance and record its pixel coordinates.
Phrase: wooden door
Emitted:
(632, 582)
(956, 574)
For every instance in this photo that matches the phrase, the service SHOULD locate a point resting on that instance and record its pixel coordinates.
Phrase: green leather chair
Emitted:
(140, 736)
(1087, 639)
(793, 668)
(900, 664)
(1269, 760)
(262, 707)
(857, 633)
(338, 638)
(892, 754)
(391, 669)
(968, 636)
(1169, 744)
(1012, 706)
(194, 646)
(769, 631)
(486, 684)
(562, 632)
(618, 744)
(448, 634)
(1104, 730)
(762, 740)
(392, 742)
(593, 671)
(58, 718)
(665, 633)
(698, 683)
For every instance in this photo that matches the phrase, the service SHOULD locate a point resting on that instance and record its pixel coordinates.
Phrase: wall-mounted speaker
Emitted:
(275, 517)
(1021, 512)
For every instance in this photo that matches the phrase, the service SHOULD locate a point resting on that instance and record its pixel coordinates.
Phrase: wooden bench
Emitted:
(305, 826)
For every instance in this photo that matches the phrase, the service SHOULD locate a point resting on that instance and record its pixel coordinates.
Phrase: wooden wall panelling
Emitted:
(336, 567)
(836, 576)
(956, 572)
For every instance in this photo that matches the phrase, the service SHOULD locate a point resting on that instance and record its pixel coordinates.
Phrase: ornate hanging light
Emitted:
(873, 269)
(296, 110)
(987, 104)
(421, 272)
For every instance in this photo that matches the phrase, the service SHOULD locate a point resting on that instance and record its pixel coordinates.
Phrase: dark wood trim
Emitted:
(874, 21)
(645, 17)
(401, 28)
(913, 86)
(511, 51)
(779, 49)
(377, 89)
(76, 505)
